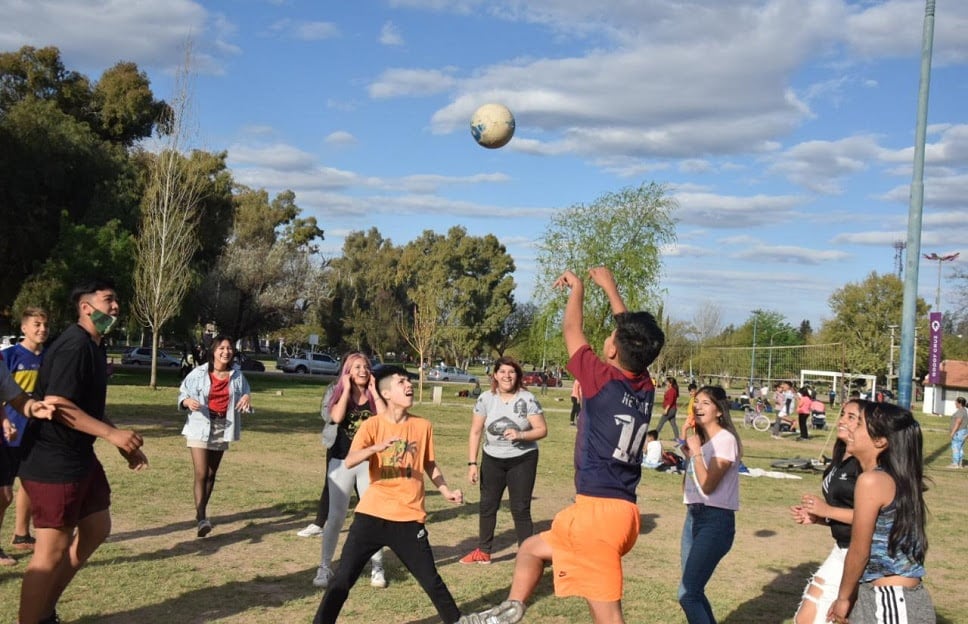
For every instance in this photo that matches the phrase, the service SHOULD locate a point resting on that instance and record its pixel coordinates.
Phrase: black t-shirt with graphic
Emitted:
(355, 414)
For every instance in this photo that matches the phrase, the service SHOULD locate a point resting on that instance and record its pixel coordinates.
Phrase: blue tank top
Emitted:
(881, 563)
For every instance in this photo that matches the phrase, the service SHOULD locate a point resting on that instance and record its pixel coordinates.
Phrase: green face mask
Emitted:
(103, 323)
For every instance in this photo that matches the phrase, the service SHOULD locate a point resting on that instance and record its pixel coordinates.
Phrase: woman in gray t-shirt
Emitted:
(959, 431)
(511, 422)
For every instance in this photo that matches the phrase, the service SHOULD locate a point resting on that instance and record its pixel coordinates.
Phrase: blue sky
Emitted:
(784, 128)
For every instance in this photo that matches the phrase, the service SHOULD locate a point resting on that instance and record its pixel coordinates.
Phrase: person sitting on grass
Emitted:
(588, 539)
(400, 450)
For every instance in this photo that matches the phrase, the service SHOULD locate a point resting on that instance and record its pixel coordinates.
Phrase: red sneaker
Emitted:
(477, 556)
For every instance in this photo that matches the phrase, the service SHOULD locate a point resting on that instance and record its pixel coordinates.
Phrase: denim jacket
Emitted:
(197, 385)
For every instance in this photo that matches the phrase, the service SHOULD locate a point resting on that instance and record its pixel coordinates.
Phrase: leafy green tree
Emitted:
(368, 294)
(624, 231)
(472, 276)
(514, 330)
(267, 266)
(125, 106)
(80, 253)
(862, 315)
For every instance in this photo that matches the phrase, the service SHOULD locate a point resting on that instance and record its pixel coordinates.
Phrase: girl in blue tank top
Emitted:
(885, 560)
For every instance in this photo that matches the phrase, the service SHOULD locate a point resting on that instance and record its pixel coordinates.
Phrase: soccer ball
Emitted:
(492, 125)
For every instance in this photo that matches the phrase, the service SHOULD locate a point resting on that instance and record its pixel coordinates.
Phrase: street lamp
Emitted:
(940, 260)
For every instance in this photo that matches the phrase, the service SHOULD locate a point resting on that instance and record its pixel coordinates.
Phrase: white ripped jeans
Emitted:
(341, 482)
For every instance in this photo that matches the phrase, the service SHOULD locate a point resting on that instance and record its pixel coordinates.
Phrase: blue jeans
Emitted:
(958, 446)
(706, 538)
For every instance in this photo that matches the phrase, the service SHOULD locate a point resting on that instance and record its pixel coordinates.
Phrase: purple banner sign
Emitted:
(934, 349)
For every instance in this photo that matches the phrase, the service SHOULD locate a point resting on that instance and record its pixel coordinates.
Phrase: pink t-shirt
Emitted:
(726, 494)
(803, 405)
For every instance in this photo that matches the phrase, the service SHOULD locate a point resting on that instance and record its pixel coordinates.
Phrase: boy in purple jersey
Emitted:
(617, 394)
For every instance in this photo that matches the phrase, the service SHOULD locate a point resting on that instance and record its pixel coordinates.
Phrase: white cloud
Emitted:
(411, 82)
(278, 157)
(305, 30)
(721, 211)
(390, 35)
(821, 166)
(340, 137)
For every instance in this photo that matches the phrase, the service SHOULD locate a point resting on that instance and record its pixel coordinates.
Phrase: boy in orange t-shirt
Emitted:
(400, 450)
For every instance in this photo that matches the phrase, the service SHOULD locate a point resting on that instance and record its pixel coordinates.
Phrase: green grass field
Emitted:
(253, 569)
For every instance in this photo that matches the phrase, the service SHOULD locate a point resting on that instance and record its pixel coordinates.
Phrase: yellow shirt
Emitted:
(396, 489)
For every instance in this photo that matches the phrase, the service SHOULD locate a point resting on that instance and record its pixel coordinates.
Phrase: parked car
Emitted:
(246, 363)
(450, 373)
(305, 362)
(138, 356)
(535, 378)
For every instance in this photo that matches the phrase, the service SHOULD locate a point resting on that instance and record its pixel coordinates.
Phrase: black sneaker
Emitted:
(23, 542)
(51, 619)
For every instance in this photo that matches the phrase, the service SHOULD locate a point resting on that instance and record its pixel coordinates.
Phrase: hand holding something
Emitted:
(137, 460)
(126, 440)
(567, 280)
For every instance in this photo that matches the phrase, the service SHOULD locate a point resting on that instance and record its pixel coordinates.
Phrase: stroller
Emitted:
(818, 415)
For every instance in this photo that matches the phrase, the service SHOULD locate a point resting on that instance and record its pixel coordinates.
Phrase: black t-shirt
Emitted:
(838, 490)
(75, 368)
(355, 414)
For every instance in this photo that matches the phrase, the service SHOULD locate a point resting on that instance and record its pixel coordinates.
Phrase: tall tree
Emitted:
(624, 231)
(168, 235)
(420, 328)
(514, 330)
(862, 315)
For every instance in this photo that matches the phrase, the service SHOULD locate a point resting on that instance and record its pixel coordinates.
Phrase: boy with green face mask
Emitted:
(69, 493)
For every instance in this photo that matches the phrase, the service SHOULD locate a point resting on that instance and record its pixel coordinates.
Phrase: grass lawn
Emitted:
(253, 569)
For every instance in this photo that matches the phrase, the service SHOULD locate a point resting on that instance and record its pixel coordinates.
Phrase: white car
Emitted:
(142, 356)
(450, 373)
(304, 362)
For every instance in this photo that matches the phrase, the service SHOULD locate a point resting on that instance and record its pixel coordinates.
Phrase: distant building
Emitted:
(940, 399)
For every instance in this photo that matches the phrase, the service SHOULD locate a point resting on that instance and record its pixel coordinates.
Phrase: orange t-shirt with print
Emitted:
(396, 489)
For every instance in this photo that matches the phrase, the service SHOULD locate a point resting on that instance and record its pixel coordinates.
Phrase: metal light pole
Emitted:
(890, 366)
(769, 361)
(940, 259)
(915, 210)
(756, 316)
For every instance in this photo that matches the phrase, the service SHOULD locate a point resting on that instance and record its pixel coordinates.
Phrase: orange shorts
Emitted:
(588, 540)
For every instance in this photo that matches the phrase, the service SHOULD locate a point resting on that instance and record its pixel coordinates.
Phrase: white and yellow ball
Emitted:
(492, 125)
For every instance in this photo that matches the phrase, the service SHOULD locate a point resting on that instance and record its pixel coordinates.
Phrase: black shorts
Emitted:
(9, 464)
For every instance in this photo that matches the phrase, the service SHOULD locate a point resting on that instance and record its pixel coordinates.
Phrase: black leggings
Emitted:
(669, 417)
(408, 540)
(517, 474)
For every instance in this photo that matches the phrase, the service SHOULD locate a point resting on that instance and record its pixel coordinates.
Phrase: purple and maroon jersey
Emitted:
(616, 410)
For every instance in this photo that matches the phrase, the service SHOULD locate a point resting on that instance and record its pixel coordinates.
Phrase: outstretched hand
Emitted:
(567, 280)
(602, 276)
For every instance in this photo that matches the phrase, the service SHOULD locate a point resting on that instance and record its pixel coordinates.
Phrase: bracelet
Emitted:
(471, 463)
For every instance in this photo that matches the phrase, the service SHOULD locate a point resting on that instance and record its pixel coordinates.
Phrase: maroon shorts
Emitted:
(59, 505)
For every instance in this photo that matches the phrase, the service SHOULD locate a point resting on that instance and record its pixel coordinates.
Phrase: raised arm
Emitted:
(571, 326)
(604, 278)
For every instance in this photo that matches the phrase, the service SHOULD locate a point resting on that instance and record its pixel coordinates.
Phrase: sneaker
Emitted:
(6, 560)
(310, 531)
(377, 578)
(204, 527)
(476, 556)
(508, 612)
(323, 575)
(23, 542)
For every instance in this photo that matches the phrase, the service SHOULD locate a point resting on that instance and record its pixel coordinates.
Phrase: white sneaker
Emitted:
(323, 575)
(311, 531)
(377, 579)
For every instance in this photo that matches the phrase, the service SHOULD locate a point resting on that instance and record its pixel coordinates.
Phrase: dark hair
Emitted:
(508, 361)
(638, 339)
(389, 370)
(693, 386)
(672, 381)
(721, 399)
(903, 460)
(960, 401)
(215, 342)
(652, 433)
(804, 391)
(89, 287)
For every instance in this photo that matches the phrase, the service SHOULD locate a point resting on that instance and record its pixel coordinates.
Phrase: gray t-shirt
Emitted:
(961, 413)
(499, 416)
